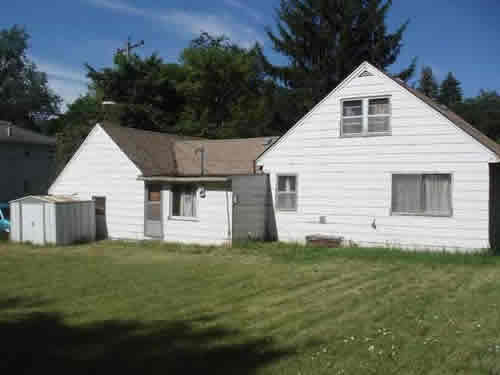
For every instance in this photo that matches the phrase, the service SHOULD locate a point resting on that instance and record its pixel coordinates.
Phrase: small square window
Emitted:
(184, 201)
(286, 196)
(154, 193)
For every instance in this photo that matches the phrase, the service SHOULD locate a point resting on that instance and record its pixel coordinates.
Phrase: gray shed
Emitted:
(59, 220)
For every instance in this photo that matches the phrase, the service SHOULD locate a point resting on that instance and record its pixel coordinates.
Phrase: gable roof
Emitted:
(22, 135)
(443, 110)
(162, 154)
(152, 152)
(452, 116)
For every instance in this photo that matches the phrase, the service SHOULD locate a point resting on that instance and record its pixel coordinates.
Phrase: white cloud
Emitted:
(195, 23)
(69, 91)
(188, 23)
(67, 82)
(61, 72)
(251, 12)
(120, 6)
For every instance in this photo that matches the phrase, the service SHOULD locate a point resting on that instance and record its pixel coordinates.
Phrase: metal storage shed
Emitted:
(59, 220)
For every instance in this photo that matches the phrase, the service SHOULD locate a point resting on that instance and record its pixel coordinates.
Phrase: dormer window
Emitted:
(365, 117)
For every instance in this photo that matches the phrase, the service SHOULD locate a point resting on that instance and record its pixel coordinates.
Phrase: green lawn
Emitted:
(117, 307)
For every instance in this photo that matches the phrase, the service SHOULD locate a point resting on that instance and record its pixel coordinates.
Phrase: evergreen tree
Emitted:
(325, 40)
(483, 112)
(428, 84)
(450, 92)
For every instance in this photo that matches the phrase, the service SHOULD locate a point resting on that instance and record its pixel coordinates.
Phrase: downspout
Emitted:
(202, 151)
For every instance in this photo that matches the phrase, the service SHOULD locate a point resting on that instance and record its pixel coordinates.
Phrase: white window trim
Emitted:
(296, 209)
(365, 116)
(423, 214)
(184, 218)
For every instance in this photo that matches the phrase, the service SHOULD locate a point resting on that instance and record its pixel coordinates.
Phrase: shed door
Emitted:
(495, 206)
(32, 223)
(101, 228)
(251, 199)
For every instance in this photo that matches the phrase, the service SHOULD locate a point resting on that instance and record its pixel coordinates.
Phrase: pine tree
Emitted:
(428, 84)
(325, 40)
(450, 93)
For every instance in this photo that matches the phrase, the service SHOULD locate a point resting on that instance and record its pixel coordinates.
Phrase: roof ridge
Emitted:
(229, 139)
(452, 116)
(106, 124)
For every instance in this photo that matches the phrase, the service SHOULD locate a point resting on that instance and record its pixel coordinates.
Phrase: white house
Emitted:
(178, 189)
(378, 163)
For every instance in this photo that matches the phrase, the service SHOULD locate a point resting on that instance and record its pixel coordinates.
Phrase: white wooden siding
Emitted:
(100, 168)
(349, 179)
(211, 227)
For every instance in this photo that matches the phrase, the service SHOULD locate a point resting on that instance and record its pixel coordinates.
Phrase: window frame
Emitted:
(196, 205)
(278, 175)
(365, 106)
(421, 178)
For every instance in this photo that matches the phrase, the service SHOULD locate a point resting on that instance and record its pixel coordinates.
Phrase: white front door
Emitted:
(32, 223)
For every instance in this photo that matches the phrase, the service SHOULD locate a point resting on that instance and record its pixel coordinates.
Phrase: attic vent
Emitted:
(366, 73)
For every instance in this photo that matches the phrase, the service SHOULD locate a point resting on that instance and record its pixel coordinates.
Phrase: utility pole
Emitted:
(129, 47)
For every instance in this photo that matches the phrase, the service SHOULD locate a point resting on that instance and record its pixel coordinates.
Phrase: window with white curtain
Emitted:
(184, 201)
(421, 194)
(286, 195)
(368, 116)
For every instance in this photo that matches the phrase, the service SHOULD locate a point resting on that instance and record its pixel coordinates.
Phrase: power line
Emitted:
(129, 47)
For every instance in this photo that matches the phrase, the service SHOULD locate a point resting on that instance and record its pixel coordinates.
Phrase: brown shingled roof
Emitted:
(162, 154)
(453, 117)
(222, 157)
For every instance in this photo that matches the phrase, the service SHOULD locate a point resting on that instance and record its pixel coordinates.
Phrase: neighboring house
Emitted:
(379, 163)
(26, 162)
(156, 185)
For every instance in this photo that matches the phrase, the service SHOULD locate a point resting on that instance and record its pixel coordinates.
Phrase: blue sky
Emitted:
(461, 36)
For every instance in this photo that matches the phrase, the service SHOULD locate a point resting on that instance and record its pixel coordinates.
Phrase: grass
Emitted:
(254, 309)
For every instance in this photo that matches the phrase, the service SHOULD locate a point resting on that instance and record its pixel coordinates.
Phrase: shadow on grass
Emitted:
(45, 343)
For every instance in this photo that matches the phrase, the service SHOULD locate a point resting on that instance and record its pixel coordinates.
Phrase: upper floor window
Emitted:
(370, 116)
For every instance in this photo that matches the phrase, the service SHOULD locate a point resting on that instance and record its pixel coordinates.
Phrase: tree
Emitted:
(25, 97)
(221, 77)
(428, 84)
(483, 112)
(325, 40)
(73, 126)
(450, 92)
(143, 89)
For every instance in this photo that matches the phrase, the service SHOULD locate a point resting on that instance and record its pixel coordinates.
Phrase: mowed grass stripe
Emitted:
(325, 310)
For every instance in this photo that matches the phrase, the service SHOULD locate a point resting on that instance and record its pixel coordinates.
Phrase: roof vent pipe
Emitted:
(201, 150)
